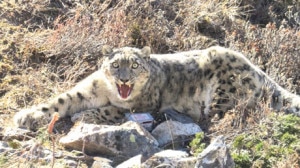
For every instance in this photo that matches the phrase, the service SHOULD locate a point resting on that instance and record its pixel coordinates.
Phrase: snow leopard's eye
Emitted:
(135, 65)
(115, 65)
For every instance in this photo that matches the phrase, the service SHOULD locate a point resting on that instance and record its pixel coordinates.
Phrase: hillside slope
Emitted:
(48, 46)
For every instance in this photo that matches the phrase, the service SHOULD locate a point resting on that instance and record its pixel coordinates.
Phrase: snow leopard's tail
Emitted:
(281, 99)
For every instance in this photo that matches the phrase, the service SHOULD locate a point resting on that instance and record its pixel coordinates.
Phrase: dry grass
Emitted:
(48, 46)
(275, 50)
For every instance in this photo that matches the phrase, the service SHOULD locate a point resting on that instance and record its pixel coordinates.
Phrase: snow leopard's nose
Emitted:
(124, 80)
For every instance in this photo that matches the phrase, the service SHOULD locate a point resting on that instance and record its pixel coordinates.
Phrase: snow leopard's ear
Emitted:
(146, 51)
(106, 50)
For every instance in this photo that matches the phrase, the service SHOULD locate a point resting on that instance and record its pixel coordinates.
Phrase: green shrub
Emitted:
(272, 141)
(242, 160)
(197, 145)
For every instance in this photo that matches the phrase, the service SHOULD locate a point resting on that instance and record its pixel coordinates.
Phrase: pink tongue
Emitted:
(124, 91)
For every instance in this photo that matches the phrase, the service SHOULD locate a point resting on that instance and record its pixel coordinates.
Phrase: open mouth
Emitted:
(124, 90)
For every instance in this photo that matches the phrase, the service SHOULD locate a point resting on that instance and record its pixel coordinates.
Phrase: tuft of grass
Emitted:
(242, 160)
(3, 159)
(197, 145)
(15, 144)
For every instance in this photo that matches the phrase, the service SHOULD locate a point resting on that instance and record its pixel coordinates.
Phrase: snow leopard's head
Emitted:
(126, 69)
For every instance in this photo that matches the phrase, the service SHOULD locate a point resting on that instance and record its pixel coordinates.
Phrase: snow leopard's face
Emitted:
(127, 70)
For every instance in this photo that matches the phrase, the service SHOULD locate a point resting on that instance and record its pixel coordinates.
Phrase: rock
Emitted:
(4, 147)
(171, 114)
(123, 141)
(10, 133)
(166, 158)
(29, 150)
(169, 131)
(132, 162)
(102, 163)
(71, 163)
(170, 158)
(215, 155)
(36, 152)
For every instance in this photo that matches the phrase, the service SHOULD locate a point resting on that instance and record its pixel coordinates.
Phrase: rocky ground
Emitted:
(48, 46)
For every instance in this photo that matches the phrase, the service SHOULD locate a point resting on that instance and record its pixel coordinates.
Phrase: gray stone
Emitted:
(169, 131)
(123, 141)
(4, 144)
(170, 158)
(4, 147)
(171, 114)
(35, 152)
(215, 155)
(101, 163)
(166, 158)
(11, 133)
(71, 163)
(132, 162)
(29, 150)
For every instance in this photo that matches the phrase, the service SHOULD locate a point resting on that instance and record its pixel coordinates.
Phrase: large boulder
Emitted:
(216, 155)
(124, 141)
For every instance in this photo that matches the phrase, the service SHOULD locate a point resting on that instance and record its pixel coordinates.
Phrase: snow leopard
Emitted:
(197, 83)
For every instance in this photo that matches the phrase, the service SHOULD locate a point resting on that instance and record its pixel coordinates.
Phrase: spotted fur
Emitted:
(200, 83)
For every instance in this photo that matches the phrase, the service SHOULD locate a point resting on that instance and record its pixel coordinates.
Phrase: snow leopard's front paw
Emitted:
(31, 119)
